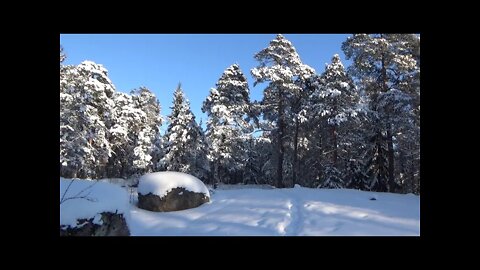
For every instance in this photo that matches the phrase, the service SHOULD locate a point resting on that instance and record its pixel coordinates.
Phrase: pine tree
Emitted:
(85, 116)
(312, 141)
(134, 131)
(71, 150)
(383, 64)
(145, 131)
(280, 65)
(259, 167)
(184, 145)
(338, 106)
(124, 116)
(104, 133)
(227, 107)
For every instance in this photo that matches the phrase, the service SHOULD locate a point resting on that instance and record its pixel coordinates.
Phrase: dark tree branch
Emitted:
(78, 195)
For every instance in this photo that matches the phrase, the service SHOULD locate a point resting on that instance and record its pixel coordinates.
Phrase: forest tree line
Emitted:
(341, 128)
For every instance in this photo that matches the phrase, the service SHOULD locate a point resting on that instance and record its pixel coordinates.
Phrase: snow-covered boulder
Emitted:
(92, 208)
(171, 191)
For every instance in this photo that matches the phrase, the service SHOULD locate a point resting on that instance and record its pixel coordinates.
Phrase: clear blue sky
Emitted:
(160, 61)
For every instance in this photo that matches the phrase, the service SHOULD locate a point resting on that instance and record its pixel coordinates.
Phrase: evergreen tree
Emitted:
(125, 115)
(338, 107)
(146, 131)
(280, 65)
(104, 133)
(184, 145)
(383, 64)
(227, 107)
(85, 116)
(134, 131)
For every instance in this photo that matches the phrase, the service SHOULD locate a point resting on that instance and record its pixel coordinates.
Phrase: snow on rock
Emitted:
(97, 196)
(160, 183)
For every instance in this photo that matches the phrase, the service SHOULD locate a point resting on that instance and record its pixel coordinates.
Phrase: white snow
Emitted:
(117, 181)
(160, 183)
(98, 197)
(287, 212)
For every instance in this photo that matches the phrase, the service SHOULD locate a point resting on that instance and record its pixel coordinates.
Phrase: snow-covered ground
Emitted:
(84, 199)
(296, 211)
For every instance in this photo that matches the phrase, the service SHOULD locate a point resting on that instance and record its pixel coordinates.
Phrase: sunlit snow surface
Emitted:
(85, 199)
(286, 212)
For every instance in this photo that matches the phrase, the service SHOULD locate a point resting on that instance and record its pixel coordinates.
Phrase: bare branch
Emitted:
(79, 194)
(66, 190)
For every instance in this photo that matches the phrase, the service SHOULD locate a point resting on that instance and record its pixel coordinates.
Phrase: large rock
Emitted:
(171, 191)
(175, 200)
(112, 225)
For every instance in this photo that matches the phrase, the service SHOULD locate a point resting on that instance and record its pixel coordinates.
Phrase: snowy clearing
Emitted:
(286, 212)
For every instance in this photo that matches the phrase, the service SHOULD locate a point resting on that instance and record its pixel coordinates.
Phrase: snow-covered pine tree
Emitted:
(227, 107)
(72, 142)
(358, 129)
(135, 129)
(145, 131)
(202, 166)
(104, 133)
(124, 116)
(280, 65)
(338, 106)
(383, 64)
(259, 168)
(407, 137)
(183, 140)
(311, 139)
(85, 117)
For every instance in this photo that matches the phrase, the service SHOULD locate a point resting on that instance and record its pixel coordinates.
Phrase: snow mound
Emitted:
(160, 183)
(85, 199)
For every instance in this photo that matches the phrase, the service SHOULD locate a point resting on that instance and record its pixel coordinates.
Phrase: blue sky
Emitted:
(160, 61)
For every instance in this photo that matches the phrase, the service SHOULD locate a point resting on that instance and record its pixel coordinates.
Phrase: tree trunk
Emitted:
(405, 184)
(319, 159)
(335, 149)
(215, 174)
(411, 174)
(382, 185)
(391, 153)
(280, 148)
(391, 156)
(295, 153)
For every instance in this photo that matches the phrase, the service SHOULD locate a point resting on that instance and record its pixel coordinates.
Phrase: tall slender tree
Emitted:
(338, 106)
(382, 64)
(146, 131)
(184, 145)
(228, 128)
(280, 65)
